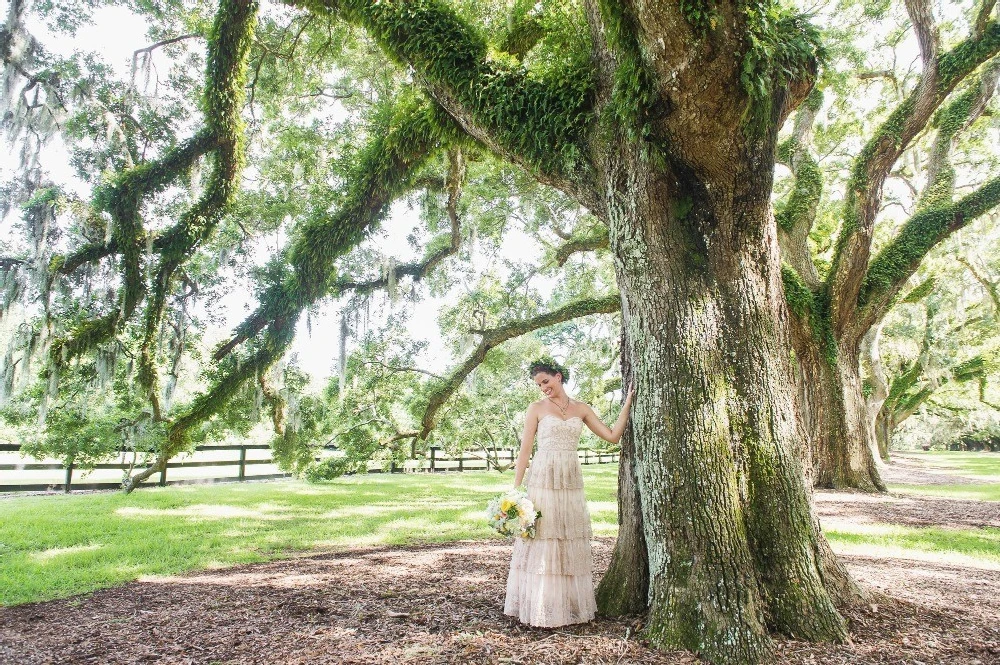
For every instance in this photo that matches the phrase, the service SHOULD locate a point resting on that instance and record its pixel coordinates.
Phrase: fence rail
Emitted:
(432, 463)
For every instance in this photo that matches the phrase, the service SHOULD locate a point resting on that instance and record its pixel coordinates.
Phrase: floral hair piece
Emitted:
(549, 365)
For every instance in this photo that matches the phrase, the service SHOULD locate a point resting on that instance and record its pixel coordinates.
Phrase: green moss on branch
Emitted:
(800, 207)
(811, 309)
(873, 163)
(634, 90)
(926, 228)
(122, 198)
(782, 48)
(414, 132)
(543, 121)
(495, 337)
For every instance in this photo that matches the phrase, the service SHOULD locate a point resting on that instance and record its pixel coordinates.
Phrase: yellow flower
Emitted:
(506, 505)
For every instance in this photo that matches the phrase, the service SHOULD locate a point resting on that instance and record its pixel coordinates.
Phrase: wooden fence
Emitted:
(434, 462)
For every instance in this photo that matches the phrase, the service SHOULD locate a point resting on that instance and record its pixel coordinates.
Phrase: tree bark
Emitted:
(883, 434)
(733, 547)
(836, 417)
(871, 356)
(624, 589)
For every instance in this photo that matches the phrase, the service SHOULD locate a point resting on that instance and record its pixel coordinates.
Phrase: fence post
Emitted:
(243, 462)
(433, 455)
(392, 466)
(461, 461)
(163, 476)
(69, 477)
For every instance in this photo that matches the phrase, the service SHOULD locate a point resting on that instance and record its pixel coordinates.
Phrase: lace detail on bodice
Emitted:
(555, 433)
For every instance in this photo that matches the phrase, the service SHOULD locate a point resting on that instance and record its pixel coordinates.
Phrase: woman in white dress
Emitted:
(550, 581)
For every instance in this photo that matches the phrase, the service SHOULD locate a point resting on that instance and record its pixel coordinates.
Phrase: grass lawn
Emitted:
(976, 491)
(59, 546)
(941, 545)
(980, 466)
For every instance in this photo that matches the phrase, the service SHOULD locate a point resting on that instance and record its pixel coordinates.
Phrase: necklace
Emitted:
(562, 409)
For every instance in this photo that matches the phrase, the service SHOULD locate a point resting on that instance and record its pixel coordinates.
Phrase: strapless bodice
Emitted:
(554, 433)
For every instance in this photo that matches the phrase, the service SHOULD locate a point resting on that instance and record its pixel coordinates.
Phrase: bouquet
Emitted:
(513, 514)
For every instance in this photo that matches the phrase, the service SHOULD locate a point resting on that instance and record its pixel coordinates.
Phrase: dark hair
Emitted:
(549, 366)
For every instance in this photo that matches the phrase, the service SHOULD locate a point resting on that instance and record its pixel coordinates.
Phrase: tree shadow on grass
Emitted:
(443, 604)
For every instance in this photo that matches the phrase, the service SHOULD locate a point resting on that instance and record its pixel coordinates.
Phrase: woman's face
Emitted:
(549, 384)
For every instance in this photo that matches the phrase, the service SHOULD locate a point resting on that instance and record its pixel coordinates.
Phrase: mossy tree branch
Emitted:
(416, 131)
(796, 214)
(950, 121)
(541, 124)
(228, 53)
(942, 73)
(911, 389)
(494, 337)
(123, 198)
(937, 216)
(385, 192)
(595, 239)
(983, 17)
(890, 269)
(419, 270)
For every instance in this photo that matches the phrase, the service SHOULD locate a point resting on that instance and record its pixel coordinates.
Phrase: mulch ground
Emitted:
(443, 604)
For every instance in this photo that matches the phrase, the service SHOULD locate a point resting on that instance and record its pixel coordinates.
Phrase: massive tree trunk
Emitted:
(733, 549)
(836, 416)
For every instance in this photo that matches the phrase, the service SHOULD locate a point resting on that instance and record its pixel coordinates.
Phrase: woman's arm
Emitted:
(609, 434)
(527, 442)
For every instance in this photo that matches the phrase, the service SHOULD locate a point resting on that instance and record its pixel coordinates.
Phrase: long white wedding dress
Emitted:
(550, 581)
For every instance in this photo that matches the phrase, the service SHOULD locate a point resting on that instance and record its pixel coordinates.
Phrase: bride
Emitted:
(550, 581)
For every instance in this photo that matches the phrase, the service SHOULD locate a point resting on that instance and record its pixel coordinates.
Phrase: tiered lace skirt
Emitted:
(550, 581)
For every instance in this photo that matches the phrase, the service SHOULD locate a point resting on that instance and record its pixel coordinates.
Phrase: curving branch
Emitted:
(950, 121)
(148, 50)
(224, 105)
(942, 73)
(983, 17)
(257, 321)
(494, 337)
(540, 125)
(383, 171)
(796, 214)
(900, 258)
(417, 271)
(596, 239)
(123, 199)
(935, 218)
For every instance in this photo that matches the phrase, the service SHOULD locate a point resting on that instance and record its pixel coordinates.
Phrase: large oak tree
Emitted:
(662, 119)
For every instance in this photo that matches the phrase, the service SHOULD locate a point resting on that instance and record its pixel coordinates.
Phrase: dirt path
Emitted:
(916, 511)
(905, 470)
(442, 604)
